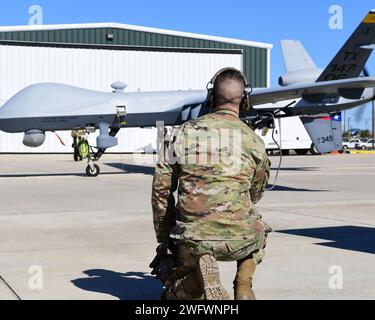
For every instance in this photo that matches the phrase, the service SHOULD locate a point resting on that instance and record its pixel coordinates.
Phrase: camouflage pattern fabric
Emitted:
(221, 170)
(77, 133)
(186, 260)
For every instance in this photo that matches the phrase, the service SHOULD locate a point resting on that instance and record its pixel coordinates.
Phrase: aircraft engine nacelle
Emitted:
(300, 76)
(34, 138)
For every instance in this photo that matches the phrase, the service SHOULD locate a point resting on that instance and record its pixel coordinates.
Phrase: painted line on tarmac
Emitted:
(9, 288)
(71, 175)
(323, 203)
(92, 213)
(362, 152)
(123, 246)
(304, 173)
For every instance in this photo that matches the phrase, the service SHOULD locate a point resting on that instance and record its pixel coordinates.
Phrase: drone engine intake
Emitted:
(34, 138)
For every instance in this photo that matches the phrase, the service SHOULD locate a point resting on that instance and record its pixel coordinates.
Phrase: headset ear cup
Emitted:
(248, 105)
(242, 105)
(210, 102)
(245, 104)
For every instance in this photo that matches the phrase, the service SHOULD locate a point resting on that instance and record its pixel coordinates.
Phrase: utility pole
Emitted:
(373, 124)
(348, 123)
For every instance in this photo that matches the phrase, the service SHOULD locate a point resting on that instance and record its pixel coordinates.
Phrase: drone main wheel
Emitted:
(93, 172)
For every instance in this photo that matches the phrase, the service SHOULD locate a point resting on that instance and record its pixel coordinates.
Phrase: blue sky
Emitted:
(265, 21)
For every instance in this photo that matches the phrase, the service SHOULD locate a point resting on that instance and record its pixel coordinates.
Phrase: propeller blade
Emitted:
(360, 112)
(366, 73)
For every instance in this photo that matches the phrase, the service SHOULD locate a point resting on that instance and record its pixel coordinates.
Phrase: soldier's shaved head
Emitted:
(229, 90)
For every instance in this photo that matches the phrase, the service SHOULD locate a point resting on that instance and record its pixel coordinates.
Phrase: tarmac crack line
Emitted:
(120, 245)
(318, 217)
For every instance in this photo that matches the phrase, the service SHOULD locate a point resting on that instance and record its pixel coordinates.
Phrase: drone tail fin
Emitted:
(295, 56)
(325, 131)
(350, 61)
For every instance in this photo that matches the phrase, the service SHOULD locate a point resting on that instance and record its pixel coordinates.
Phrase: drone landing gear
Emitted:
(83, 151)
(92, 170)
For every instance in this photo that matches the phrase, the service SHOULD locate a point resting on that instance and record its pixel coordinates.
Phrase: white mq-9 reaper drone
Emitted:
(314, 95)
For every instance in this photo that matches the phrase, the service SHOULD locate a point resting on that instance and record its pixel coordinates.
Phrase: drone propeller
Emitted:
(362, 109)
(366, 73)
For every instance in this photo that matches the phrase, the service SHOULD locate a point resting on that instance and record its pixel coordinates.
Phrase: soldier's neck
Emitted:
(229, 107)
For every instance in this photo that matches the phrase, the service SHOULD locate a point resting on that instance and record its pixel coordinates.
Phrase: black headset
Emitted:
(245, 103)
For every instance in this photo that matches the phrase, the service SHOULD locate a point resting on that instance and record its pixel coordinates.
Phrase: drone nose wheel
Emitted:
(92, 170)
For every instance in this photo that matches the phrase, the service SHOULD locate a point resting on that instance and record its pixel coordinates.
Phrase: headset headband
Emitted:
(220, 72)
(245, 103)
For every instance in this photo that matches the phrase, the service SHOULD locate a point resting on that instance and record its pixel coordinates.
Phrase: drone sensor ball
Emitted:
(34, 138)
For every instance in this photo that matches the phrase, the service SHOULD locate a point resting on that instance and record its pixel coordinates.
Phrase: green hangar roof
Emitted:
(256, 56)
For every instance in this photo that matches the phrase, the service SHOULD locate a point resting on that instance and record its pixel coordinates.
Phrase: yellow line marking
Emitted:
(362, 152)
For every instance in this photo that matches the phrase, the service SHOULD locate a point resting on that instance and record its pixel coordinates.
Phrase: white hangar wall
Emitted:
(97, 69)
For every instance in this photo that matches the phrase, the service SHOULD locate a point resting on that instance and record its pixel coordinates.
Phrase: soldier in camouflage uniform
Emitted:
(219, 168)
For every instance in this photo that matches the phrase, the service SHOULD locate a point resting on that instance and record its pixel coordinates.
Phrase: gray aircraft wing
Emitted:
(52, 106)
(347, 88)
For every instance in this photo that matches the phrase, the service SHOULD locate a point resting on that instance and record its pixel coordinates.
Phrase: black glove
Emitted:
(163, 263)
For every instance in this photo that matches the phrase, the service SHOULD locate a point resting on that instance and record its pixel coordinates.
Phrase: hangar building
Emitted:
(94, 56)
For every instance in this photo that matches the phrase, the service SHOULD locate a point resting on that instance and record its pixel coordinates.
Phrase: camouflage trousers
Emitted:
(188, 252)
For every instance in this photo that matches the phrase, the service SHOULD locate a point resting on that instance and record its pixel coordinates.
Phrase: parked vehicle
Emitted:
(364, 145)
(351, 144)
(290, 134)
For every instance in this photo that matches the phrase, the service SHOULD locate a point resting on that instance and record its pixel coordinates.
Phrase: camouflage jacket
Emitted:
(220, 169)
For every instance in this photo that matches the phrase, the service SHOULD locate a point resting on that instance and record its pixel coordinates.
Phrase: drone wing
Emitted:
(348, 88)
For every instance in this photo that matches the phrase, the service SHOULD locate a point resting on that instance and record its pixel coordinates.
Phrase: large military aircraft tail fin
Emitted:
(351, 59)
(295, 56)
(325, 131)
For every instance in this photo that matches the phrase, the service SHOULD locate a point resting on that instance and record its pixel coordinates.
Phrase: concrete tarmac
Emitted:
(66, 236)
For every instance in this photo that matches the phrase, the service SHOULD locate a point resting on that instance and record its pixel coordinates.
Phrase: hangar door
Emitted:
(96, 68)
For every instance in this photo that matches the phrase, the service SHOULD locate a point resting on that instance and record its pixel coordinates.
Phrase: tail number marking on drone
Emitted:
(324, 140)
